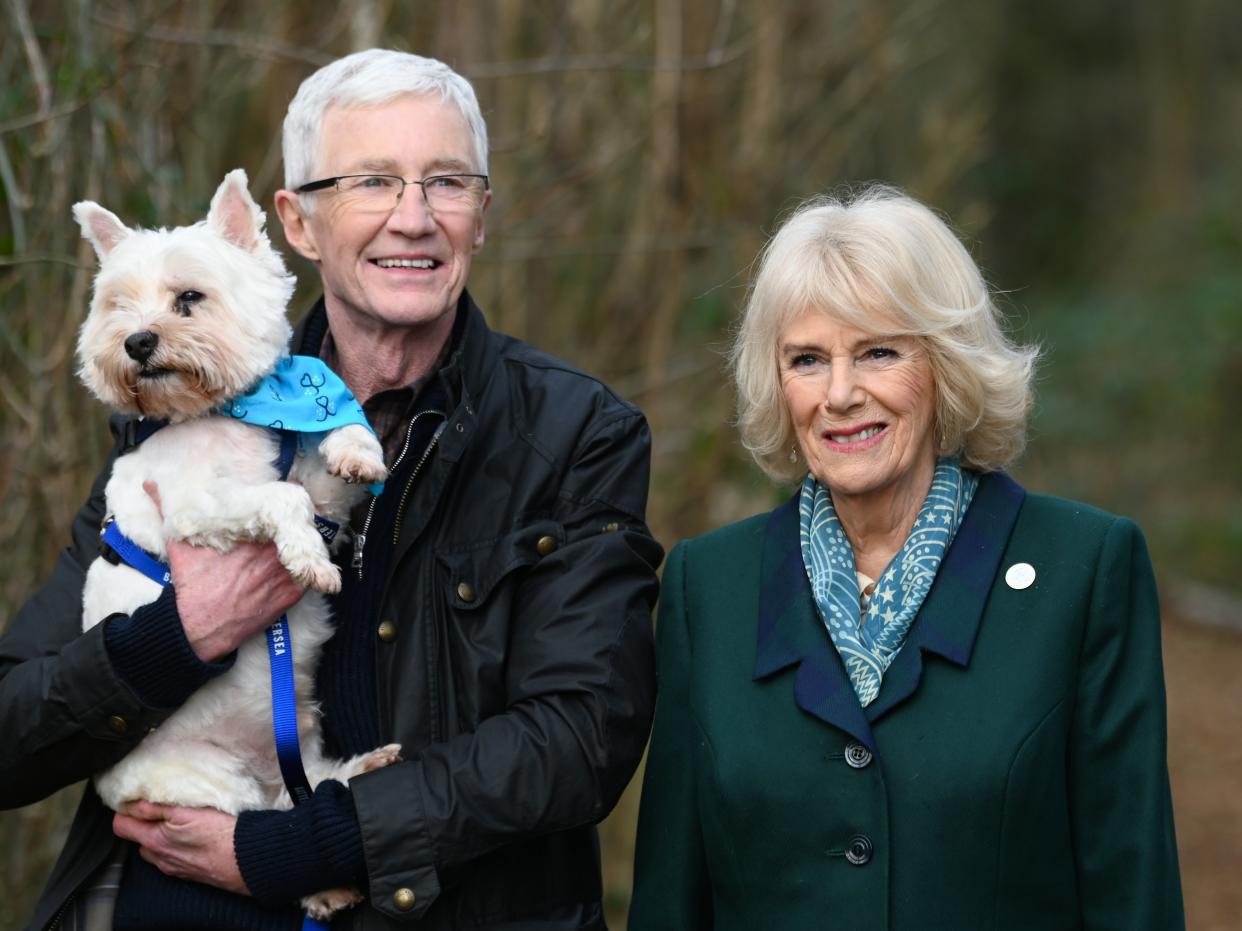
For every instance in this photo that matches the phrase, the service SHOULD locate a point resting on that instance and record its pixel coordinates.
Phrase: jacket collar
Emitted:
(464, 375)
(791, 633)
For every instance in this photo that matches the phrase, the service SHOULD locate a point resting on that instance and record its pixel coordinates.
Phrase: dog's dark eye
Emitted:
(186, 300)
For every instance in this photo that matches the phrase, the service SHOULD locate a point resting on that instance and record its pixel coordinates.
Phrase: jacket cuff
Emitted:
(152, 656)
(285, 855)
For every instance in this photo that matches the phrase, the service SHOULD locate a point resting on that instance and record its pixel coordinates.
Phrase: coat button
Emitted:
(118, 725)
(859, 850)
(545, 546)
(465, 591)
(387, 631)
(610, 527)
(404, 899)
(857, 755)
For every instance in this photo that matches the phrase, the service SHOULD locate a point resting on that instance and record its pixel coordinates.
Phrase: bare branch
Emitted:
(715, 58)
(260, 47)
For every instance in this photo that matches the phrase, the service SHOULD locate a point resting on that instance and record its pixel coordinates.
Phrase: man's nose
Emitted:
(412, 215)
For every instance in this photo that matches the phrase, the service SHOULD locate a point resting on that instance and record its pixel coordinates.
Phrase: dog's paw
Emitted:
(356, 467)
(316, 573)
(323, 905)
(378, 759)
(354, 454)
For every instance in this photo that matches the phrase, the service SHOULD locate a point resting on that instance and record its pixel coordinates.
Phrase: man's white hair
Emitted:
(369, 78)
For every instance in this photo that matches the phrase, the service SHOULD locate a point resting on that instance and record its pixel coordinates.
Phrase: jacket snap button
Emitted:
(545, 546)
(856, 755)
(859, 850)
(118, 725)
(609, 528)
(387, 631)
(404, 899)
(465, 591)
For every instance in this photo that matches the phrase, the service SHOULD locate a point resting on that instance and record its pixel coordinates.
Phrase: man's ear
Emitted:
(480, 225)
(298, 230)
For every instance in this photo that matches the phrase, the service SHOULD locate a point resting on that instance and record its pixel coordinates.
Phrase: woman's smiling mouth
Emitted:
(857, 439)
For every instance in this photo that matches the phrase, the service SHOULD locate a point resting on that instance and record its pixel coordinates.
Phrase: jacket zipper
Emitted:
(360, 538)
(60, 913)
(405, 494)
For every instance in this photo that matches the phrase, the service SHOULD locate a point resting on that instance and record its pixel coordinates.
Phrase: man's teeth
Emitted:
(405, 263)
(854, 437)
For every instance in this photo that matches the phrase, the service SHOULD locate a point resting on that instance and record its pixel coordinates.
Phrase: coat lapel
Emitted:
(949, 619)
(791, 632)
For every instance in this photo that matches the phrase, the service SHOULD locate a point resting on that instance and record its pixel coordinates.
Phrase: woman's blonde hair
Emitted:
(876, 260)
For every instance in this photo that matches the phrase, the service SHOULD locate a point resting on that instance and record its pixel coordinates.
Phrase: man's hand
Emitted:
(223, 598)
(186, 843)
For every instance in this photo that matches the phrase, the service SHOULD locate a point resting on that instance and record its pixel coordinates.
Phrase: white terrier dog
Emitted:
(181, 322)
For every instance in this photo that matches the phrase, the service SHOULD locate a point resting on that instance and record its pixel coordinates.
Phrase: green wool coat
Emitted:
(1010, 775)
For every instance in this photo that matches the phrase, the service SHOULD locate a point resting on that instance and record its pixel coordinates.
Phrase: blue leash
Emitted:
(280, 656)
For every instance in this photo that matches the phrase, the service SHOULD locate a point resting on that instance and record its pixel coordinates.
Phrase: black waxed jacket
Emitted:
(515, 665)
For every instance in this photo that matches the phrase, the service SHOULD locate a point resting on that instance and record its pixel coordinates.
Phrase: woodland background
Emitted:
(1089, 153)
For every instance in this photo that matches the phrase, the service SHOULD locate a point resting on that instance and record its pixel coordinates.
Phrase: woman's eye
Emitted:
(802, 362)
(881, 353)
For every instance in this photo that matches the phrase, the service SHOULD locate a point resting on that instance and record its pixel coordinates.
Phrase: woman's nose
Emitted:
(843, 389)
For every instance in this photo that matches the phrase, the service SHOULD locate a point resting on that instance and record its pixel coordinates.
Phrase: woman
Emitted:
(914, 696)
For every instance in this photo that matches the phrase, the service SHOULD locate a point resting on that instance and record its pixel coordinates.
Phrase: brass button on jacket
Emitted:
(118, 725)
(387, 631)
(545, 546)
(404, 899)
(465, 591)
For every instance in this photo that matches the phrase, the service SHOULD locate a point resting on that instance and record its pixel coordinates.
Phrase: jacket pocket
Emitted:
(475, 570)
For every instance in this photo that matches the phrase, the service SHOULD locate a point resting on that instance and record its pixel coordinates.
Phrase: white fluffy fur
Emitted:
(217, 485)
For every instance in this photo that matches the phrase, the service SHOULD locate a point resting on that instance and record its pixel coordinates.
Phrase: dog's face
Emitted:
(182, 320)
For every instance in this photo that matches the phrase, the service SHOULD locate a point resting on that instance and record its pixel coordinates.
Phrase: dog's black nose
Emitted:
(141, 345)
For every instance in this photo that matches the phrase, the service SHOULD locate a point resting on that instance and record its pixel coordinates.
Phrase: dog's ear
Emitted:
(234, 214)
(102, 227)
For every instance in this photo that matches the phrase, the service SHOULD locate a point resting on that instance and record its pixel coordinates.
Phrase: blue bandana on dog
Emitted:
(301, 395)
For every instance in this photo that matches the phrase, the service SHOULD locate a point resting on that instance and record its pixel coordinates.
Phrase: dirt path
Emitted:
(1203, 671)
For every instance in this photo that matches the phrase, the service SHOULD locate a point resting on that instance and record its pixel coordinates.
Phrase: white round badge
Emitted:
(1020, 575)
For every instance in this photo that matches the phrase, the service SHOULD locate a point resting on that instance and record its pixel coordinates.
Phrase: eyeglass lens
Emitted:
(383, 192)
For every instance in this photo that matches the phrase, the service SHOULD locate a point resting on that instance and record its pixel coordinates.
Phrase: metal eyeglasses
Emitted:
(382, 193)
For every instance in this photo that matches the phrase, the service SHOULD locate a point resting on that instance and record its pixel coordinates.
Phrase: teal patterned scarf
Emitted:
(868, 648)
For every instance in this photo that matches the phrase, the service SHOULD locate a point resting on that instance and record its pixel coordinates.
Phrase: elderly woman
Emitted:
(914, 696)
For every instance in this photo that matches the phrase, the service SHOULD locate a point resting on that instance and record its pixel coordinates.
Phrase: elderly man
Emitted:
(495, 616)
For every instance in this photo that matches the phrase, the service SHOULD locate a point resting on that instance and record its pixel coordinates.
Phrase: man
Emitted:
(495, 615)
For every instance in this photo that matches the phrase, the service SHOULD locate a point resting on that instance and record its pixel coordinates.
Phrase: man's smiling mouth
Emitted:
(406, 263)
